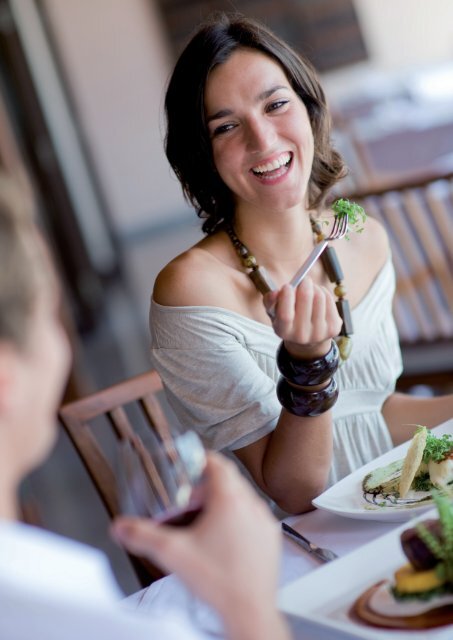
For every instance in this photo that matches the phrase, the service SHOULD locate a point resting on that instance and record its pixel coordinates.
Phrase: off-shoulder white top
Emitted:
(219, 372)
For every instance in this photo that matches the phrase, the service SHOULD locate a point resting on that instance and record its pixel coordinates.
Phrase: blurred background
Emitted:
(81, 95)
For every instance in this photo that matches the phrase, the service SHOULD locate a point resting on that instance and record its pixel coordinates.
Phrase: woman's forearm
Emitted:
(298, 460)
(291, 465)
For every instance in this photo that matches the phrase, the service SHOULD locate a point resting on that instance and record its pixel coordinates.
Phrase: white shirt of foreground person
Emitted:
(52, 588)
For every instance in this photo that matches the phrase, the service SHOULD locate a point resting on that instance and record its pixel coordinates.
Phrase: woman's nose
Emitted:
(260, 135)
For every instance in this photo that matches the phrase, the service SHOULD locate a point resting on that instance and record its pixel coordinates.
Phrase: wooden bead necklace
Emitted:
(331, 265)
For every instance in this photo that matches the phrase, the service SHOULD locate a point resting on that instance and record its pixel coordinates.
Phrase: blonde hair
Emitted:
(23, 264)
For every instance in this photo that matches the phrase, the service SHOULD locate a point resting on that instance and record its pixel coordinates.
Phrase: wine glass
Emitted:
(161, 479)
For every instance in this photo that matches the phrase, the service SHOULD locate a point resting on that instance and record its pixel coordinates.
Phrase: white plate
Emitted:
(345, 498)
(324, 597)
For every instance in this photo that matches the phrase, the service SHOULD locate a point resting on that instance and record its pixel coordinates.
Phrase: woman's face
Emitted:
(261, 137)
(40, 373)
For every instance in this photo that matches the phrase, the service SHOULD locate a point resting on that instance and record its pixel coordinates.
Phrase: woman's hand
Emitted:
(306, 318)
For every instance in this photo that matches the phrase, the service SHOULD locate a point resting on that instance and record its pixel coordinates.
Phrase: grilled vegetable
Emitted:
(383, 480)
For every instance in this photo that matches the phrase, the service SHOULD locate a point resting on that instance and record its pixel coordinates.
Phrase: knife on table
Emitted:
(325, 555)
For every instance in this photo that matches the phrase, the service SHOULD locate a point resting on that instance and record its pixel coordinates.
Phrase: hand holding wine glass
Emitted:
(228, 556)
(161, 479)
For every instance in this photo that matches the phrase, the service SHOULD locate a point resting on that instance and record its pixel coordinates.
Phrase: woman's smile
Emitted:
(271, 170)
(261, 137)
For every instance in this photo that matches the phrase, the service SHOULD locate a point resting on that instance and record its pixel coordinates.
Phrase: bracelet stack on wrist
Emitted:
(306, 404)
(307, 373)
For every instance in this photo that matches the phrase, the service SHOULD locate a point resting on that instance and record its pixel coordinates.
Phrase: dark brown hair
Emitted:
(188, 144)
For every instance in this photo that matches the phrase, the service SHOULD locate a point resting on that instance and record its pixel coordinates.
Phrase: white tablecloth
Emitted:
(342, 535)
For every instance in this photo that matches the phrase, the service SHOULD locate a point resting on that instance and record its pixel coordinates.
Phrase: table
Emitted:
(342, 535)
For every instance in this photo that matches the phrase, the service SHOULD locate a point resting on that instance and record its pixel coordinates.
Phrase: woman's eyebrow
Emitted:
(220, 114)
(269, 92)
(259, 98)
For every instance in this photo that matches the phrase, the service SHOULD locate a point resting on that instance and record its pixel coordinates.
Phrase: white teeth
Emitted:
(275, 164)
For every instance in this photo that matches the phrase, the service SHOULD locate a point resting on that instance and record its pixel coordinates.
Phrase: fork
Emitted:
(325, 555)
(339, 230)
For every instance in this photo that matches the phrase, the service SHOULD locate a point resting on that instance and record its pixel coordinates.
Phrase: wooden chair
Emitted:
(418, 216)
(95, 423)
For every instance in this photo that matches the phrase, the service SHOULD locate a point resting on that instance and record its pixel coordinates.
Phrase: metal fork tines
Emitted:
(325, 555)
(339, 230)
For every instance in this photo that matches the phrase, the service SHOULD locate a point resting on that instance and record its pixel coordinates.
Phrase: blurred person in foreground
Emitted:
(52, 587)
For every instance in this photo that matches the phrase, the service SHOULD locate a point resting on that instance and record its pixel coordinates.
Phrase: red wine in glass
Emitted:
(182, 518)
(166, 483)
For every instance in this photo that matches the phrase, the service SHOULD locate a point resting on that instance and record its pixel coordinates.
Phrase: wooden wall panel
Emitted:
(326, 31)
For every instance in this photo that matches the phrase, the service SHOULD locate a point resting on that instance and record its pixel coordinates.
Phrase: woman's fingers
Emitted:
(284, 311)
(318, 328)
(305, 315)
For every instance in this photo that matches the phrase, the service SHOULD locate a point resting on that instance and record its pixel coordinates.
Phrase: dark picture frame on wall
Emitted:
(327, 32)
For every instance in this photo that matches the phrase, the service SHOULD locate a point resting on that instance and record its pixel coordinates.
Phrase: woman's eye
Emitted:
(277, 104)
(223, 128)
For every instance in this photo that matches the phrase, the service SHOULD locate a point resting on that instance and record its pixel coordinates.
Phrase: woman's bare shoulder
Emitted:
(190, 279)
(362, 256)
(371, 242)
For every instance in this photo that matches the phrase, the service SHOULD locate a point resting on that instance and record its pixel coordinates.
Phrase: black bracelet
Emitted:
(306, 403)
(307, 373)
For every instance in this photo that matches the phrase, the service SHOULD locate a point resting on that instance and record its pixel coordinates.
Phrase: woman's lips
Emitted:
(274, 169)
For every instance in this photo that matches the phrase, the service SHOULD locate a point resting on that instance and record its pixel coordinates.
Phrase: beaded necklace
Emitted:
(329, 259)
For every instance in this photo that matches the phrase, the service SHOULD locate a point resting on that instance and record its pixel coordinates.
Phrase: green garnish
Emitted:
(422, 482)
(442, 549)
(437, 449)
(356, 214)
(420, 595)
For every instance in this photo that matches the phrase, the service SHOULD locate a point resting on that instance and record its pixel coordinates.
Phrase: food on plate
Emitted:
(428, 464)
(384, 479)
(412, 461)
(419, 555)
(420, 594)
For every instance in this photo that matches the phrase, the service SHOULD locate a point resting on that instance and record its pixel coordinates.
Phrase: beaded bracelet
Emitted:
(307, 373)
(306, 404)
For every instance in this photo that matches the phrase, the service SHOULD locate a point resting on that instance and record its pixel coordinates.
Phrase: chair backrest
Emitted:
(96, 422)
(418, 217)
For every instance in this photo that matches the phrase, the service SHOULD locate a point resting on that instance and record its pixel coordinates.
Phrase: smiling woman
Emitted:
(248, 136)
(187, 101)
(260, 132)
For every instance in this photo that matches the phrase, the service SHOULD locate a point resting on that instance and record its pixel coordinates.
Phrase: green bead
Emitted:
(344, 344)
(316, 226)
(250, 262)
(340, 291)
